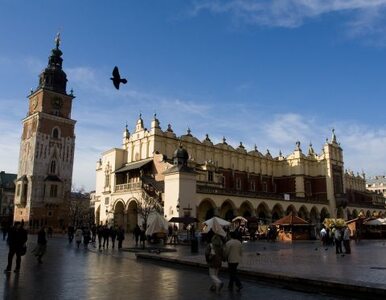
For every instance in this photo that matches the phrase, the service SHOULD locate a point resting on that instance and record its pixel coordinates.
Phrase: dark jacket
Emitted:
(42, 240)
(17, 237)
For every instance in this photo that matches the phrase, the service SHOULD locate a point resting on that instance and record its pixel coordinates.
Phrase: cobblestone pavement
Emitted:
(71, 273)
(366, 265)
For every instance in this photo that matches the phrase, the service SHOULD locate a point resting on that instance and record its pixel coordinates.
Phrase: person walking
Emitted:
(137, 234)
(338, 240)
(17, 237)
(78, 236)
(41, 245)
(214, 254)
(113, 235)
(86, 237)
(70, 232)
(233, 253)
(142, 237)
(100, 236)
(120, 236)
(4, 229)
(106, 236)
(346, 240)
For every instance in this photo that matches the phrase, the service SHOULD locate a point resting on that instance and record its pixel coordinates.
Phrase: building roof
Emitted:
(52, 178)
(134, 165)
(7, 179)
(291, 220)
(376, 180)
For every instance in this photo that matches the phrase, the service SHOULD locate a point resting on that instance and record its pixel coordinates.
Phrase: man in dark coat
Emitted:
(17, 237)
(120, 236)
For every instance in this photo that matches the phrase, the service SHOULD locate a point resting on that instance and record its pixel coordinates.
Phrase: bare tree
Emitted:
(147, 206)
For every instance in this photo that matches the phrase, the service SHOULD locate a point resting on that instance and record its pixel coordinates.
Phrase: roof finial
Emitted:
(333, 138)
(57, 40)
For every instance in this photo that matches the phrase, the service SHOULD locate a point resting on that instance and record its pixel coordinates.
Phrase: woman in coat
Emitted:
(78, 236)
(214, 255)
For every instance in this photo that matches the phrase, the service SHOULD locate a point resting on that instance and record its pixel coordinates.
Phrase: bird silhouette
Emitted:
(117, 78)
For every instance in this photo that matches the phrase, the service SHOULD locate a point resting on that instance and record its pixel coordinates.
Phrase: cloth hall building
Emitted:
(189, 176)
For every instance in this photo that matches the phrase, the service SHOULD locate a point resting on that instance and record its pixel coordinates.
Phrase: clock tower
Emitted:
(46, 158)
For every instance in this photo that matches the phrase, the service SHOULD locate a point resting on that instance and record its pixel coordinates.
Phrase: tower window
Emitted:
(54, 191)
(53, 167)
(55, 133)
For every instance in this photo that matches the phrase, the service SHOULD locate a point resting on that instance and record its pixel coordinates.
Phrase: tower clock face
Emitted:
(57, 102)
(34, 102)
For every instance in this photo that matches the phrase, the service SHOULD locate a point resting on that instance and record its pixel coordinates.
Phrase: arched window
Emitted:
(53, 167)
(55, 133)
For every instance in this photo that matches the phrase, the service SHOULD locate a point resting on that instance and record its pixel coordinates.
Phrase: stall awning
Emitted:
(134, 165)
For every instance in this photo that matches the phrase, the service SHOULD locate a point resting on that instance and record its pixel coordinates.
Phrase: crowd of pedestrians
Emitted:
(338, 237)
(101, 236)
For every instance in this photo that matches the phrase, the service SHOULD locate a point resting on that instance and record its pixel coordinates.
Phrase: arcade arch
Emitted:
(324, 214)
(303, 213)
(291, 210)
(132, 214)
(246, 209)
(205, 210)
(314, 216)
(277, 212)
(119, 213)
(262, 212)
(227, 210)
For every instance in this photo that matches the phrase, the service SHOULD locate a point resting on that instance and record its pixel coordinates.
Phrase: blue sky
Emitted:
(262, 72)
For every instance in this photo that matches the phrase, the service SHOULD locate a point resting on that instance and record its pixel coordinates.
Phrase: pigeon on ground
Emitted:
(257, 253)
(316, 249)
(117, 78)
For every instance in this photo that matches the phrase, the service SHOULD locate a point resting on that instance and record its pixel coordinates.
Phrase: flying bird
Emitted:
(117, 78)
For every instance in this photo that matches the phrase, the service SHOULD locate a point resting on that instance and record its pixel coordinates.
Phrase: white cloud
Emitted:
(363, 17)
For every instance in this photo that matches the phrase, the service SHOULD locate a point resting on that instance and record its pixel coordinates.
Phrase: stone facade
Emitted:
(223, 180)
(47, 146)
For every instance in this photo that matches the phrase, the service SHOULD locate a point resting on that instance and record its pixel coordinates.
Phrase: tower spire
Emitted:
(53, 77)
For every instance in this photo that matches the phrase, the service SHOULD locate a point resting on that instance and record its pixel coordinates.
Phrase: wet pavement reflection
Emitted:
(71, 273)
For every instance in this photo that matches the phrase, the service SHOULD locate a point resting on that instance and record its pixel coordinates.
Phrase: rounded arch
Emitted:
(368, 214)
(119, 212)
(262, 212)
(355, 214)
(277, 212)
(55, 133)
(324, 213)
(339, 212)
(205, 209)
(246, 209)
(291, 210)
(303, 213)
(132, 214)
(227, 210)
(314, 215)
